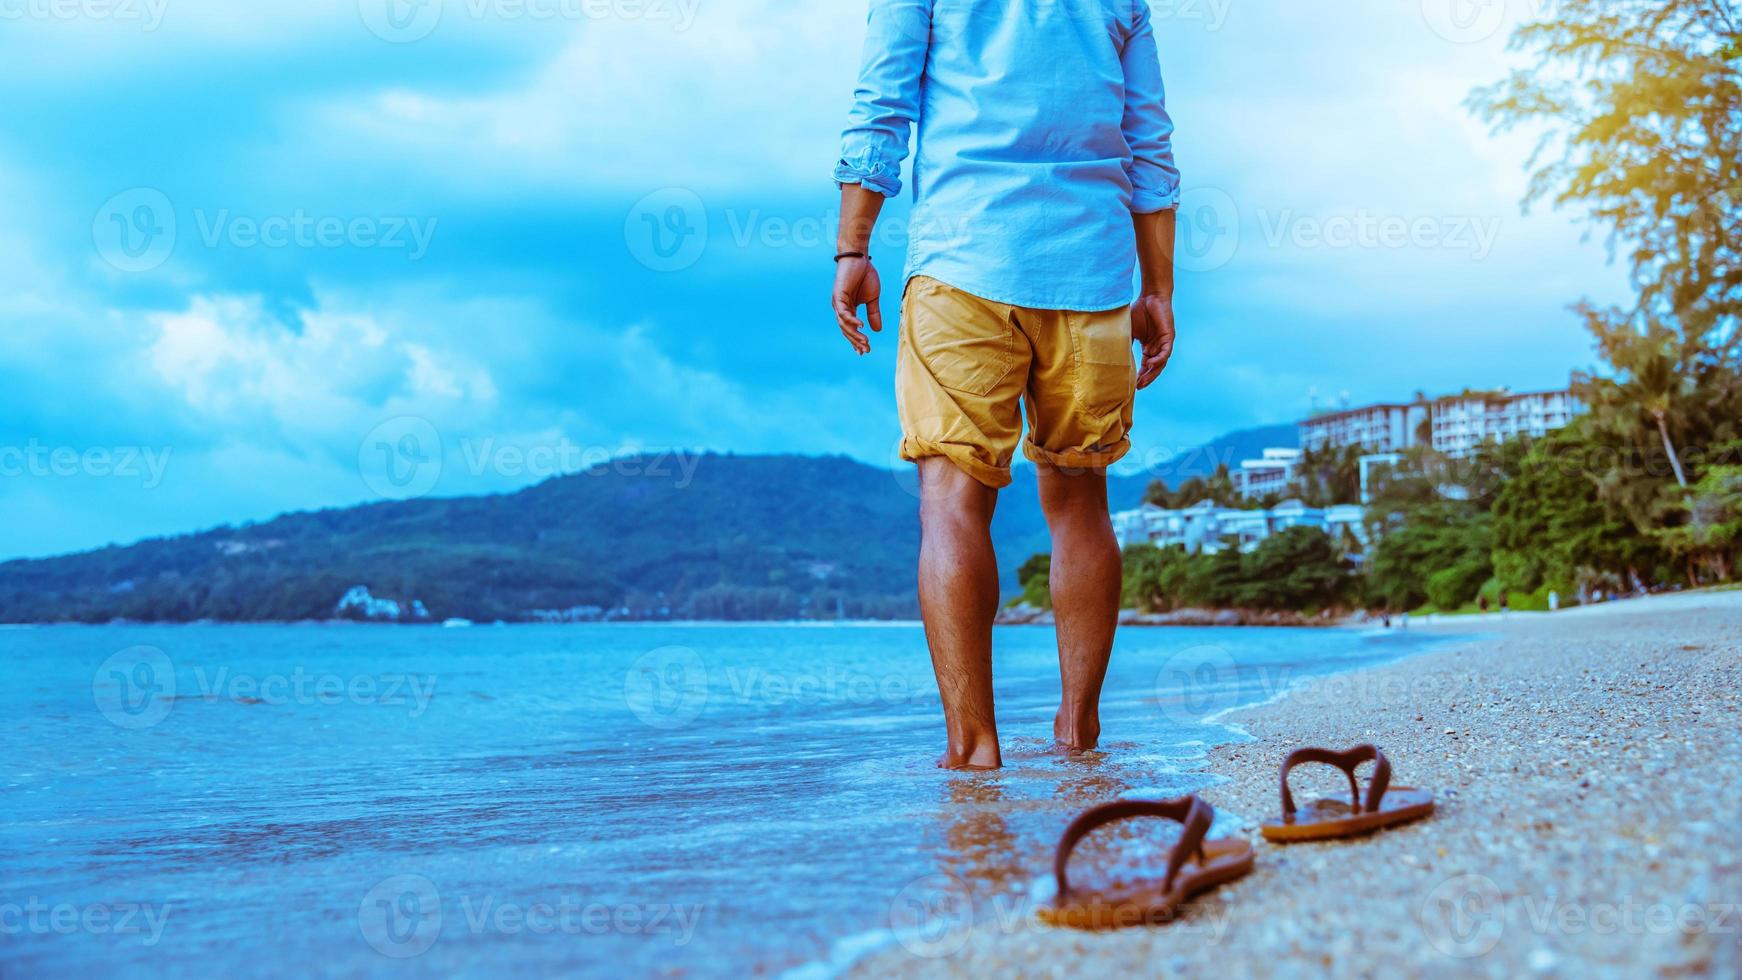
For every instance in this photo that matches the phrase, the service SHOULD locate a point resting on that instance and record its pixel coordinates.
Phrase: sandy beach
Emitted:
(1587, 767)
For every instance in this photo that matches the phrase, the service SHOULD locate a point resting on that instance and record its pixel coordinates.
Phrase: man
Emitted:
(1043, 172)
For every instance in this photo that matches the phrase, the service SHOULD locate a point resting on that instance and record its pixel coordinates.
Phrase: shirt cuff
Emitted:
(1151, 201)
(872, 176)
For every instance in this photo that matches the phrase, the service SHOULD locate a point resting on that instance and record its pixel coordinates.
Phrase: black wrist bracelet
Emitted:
(852, 255)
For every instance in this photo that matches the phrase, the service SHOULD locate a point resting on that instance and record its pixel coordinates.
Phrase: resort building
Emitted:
(1380, 428)
(1463, 422)
(1454, 424)
(1206, 528)
(1270, 474)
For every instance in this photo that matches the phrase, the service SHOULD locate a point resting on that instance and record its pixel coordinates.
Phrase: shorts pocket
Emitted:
(1106, 374)
(967, 344)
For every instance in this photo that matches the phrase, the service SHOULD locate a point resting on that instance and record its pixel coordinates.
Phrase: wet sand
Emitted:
(1588, 773)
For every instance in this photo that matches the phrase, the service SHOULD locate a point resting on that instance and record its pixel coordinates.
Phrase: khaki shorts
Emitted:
(966, 363)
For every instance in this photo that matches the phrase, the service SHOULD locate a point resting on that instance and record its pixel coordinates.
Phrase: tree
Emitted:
(1429, 539)
(1154, 578)
(1328, 475)
(1298, 568)
(1709, 528)
(1642, 99)
(1217, 488)
(1641, 104)
(1035, 577)
(1553, 526)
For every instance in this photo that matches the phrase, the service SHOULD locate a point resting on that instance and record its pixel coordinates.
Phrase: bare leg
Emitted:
(958, 596)
(1085, 581)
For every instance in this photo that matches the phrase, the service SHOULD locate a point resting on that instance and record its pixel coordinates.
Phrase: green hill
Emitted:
(747, 537)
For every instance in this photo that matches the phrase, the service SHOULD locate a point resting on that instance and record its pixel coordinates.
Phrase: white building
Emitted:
(1382, 428)
(1270, 474)
(1463, 422)
(1203, 527)
(1454, 424)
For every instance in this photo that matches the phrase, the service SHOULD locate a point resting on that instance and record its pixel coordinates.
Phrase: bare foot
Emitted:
(972, 756)
(1077, 732)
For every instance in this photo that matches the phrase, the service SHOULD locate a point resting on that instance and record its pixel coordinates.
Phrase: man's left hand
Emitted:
(1152, 326)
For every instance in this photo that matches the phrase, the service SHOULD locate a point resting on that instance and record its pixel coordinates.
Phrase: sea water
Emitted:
(607, 800)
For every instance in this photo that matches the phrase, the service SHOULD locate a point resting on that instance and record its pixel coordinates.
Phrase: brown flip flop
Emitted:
(1326, 819)
(1193, 866)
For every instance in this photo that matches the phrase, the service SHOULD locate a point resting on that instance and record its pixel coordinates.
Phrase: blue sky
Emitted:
(247, 245)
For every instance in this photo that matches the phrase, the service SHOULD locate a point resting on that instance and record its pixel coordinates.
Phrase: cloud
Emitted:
(628, 103)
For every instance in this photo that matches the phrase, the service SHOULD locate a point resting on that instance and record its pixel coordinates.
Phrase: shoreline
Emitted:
(1584, 766)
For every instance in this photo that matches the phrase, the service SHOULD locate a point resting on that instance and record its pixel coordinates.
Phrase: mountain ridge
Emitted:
(742, 537)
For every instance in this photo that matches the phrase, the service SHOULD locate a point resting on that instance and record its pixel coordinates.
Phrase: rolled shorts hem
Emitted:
(996, 477)
(1077, 459)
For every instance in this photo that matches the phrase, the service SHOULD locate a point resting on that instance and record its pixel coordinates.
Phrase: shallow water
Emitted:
(707, 799)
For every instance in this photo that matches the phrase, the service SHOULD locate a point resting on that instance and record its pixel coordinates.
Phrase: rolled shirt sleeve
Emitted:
(886, 102)
(1147, 126)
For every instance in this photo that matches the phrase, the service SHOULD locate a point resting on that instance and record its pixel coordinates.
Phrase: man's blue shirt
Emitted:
(1041, 127)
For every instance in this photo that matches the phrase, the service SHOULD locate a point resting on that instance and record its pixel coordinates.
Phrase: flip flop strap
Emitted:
(1194, 813)
(1347, 761)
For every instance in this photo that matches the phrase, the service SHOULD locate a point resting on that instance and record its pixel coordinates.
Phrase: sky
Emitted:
(295, 254)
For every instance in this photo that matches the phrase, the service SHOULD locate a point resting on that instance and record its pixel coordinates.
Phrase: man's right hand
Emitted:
(1152, 326)
(857, 284)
